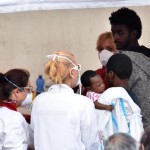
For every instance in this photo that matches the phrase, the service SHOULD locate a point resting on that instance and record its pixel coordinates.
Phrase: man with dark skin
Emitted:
(126, 28)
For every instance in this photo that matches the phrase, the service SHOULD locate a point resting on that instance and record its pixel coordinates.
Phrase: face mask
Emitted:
(104, 56)
(28, 100)
(79, 83)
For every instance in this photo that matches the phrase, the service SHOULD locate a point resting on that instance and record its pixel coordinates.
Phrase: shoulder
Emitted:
(139, 61)
(83, 99)
(10, 113)
(11, 118)
(113, 93)
(73, 98)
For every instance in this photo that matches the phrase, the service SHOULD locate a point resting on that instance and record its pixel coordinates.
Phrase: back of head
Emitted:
(59, 65)
(102, 38)
(120, 141)
(11, 79)
(145, 140)
(121, 65)
(86, 76)
(127, 17)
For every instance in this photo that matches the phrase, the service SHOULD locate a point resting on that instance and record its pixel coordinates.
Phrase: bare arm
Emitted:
(102, 106)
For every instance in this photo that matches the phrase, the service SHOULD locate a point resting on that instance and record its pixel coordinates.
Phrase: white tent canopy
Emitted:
(7, 6)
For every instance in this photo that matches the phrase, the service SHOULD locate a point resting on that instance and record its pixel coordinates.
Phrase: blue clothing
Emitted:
(134, 97)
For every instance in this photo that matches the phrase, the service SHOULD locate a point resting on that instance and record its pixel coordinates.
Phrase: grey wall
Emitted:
(26, 38)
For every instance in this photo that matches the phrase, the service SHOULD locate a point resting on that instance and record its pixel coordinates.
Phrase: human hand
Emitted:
(110, 107)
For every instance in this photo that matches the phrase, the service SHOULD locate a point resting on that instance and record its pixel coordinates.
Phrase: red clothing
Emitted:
(12, 105)
(102, 73)
(9, 104)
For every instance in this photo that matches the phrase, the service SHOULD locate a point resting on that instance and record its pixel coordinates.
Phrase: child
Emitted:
(95, 86)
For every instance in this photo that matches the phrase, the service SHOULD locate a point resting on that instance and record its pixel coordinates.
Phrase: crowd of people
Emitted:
(111, 113)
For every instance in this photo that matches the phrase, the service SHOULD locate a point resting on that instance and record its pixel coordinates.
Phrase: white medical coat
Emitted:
(62, 120)
(13, 130)
(128, 119)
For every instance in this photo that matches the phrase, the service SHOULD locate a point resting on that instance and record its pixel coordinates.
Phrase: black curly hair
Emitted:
(86, 78)
(127, 17)
(121, 65)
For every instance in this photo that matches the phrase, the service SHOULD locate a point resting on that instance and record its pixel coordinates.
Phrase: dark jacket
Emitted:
(140, 49)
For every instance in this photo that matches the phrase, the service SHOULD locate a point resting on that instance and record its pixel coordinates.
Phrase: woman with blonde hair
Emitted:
(106, 48)
(60, 118)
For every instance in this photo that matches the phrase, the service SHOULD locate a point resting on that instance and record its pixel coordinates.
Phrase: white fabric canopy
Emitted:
(7, 6)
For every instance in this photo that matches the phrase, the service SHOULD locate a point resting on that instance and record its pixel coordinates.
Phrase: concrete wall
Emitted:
(26, 38)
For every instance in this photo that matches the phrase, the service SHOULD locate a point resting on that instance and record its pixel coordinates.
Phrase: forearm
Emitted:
(100, 106)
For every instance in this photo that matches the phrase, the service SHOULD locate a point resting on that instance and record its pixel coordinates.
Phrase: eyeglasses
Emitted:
(28, 89)
(77, 67)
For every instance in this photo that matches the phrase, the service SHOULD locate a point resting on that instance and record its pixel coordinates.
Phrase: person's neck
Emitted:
(121, 83)
(132, 44)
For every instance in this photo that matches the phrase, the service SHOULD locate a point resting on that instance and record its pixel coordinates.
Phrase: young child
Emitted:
(95, 85)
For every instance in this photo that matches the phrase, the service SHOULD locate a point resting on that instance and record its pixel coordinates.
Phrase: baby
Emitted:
(95, 86)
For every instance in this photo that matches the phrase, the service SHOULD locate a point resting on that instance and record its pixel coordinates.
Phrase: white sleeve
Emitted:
(1, 134)
(14, 134)
(33, 124)
(30, 139)
(89, 130)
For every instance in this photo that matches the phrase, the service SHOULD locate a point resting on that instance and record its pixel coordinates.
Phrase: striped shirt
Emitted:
(93, 96)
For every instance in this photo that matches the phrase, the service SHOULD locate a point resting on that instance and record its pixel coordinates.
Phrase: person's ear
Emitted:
(111, 74)
(15, 93)
(71, 73)
(133, 34)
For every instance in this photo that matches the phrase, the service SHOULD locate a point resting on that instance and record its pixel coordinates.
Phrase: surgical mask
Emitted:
(79, 83)
(78, 68)
(79, 80)
(28, 101)
(104, 56)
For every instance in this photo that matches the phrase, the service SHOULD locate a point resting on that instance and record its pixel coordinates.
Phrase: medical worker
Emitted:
(14, 130)
(61, 119)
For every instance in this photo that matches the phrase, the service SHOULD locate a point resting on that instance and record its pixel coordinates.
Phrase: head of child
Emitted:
(118, 70)
(92, 81)
(62, 68)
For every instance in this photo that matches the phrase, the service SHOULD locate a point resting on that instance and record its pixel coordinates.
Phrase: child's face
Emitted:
(97, 84)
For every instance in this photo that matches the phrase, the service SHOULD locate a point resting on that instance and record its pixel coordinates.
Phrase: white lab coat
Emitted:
(127, 119)
(62, 120)
(14, 130)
